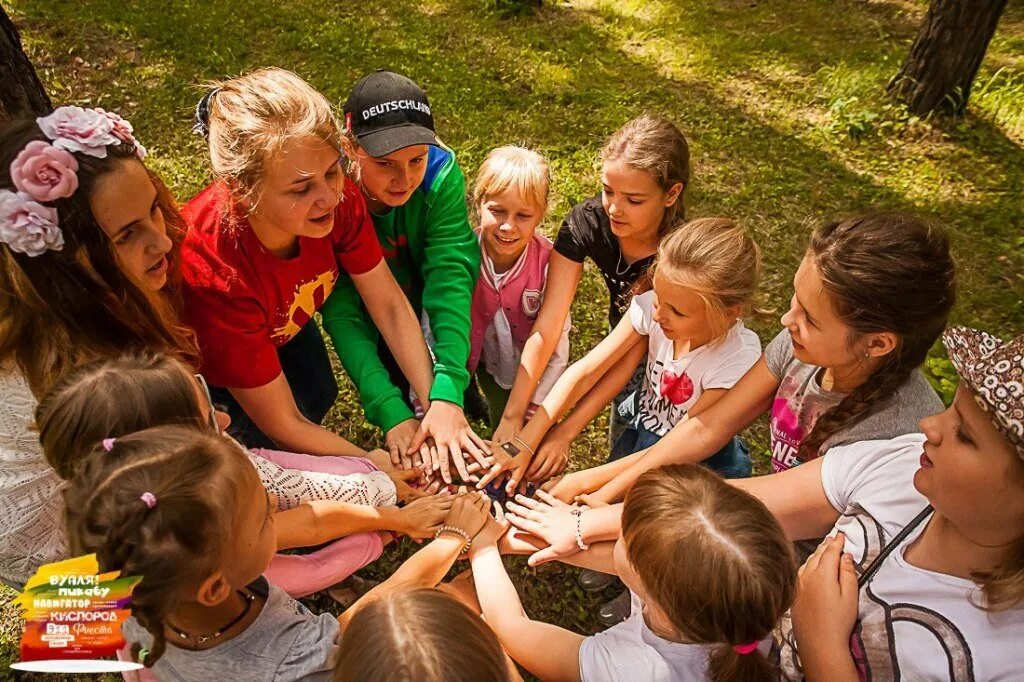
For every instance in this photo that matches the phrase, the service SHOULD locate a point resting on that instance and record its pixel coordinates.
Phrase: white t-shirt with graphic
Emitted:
(912, 624)
(631, 651)
(673, 385)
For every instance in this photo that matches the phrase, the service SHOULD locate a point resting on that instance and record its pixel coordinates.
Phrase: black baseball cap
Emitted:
(387, 112)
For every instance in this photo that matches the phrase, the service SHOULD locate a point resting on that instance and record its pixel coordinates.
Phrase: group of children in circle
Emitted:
(165, 381)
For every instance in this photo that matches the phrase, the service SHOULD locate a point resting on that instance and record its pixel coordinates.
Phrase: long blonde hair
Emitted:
(719, 261)
(249, 118)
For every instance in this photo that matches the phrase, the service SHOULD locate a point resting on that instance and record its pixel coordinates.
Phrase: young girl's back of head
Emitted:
(713, 559)
(110, 398)
(718, 261)
(883, 273)
(162, 504)
(517, 169)
(654, 145)
(421, 634)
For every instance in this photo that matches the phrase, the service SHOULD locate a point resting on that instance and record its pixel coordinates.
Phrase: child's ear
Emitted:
(213, 590)
(881, 344)
(673, 195)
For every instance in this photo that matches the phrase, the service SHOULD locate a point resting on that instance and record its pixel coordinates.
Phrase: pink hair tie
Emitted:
(108, 444)
(149, 499)
(744, 649)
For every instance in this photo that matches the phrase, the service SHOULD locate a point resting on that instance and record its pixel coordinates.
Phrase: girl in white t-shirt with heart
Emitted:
(697, 347)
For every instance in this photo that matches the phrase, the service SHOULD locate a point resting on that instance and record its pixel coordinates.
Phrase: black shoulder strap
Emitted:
(873, 567)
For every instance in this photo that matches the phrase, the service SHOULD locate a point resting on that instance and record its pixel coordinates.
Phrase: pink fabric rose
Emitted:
(79, 130)
(124, 131)
(27, 226)
(44, 172)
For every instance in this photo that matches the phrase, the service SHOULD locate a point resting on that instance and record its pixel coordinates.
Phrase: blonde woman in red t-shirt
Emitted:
(268, 240)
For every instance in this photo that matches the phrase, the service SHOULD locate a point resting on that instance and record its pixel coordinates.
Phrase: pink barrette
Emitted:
(744, 649)
(149, 499)
(108, 444)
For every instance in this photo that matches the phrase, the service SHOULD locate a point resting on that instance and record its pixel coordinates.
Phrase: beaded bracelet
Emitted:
(457, 531)
(577, 512)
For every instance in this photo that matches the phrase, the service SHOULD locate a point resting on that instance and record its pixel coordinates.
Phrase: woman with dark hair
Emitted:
(88, 242)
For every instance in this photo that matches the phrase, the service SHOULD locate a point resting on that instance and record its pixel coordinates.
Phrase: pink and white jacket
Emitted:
(503, 311)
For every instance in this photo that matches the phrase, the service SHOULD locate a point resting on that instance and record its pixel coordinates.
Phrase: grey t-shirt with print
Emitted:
(800, 400)
(285, 642)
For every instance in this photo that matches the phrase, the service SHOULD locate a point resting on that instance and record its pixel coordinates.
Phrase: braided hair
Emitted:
(884, 273)
(197, 482)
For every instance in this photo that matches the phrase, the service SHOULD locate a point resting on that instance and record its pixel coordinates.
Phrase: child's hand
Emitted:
(827, 598)
(552, 458)
(404, 491)
(502, 462)
(568, 487)
(469, 512)
(452, 436)
(397, 440)
(493, 530)
(550, 520)
(421, 518)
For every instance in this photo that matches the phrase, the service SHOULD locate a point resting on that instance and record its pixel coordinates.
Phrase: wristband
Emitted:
(523, 443)
(455, 530)
(577, 512)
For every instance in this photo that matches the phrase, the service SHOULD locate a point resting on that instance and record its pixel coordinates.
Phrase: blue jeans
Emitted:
(307, 368)
(732, 461)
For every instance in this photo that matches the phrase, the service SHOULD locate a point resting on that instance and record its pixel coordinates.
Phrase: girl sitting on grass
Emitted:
(710, 573)
(185, 511)
(697, 348)
(343, 497)
(871, 296)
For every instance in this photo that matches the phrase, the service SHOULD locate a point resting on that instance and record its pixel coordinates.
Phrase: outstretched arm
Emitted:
(701, 436)
(563, 278)
(547, 651)
(428, 566)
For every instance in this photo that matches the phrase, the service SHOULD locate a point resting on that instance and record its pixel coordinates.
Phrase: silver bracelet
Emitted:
(457, 531)
(523, 443)
(577, 512)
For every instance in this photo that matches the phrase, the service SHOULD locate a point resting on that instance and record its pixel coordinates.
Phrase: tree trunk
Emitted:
(942, 64)
(21, 93)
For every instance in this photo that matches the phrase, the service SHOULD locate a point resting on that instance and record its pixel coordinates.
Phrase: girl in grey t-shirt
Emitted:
(872, 295)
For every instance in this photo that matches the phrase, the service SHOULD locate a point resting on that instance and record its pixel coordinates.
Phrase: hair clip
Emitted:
(149, 499)
(743, 649)
(143, 653)
(202, 117)
(108, 444)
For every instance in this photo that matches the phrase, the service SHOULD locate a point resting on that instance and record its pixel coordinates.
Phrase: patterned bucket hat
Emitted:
(995, 371)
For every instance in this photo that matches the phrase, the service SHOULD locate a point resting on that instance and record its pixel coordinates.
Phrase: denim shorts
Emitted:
(732, 461)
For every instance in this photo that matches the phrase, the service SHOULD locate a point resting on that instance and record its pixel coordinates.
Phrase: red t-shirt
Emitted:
(243, 301)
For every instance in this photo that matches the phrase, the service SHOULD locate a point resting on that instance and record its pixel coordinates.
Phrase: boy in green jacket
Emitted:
(416, 194)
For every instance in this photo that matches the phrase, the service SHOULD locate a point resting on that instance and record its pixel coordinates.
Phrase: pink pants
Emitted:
(303, 574)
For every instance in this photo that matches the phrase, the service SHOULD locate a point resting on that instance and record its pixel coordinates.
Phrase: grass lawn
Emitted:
(783, 104)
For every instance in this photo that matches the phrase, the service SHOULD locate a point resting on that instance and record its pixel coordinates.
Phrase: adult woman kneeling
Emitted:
(268, 240)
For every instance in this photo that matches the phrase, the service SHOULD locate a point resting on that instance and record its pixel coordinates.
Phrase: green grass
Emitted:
(783, 103)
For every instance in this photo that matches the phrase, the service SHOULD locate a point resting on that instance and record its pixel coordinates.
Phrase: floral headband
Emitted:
(44, 172)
